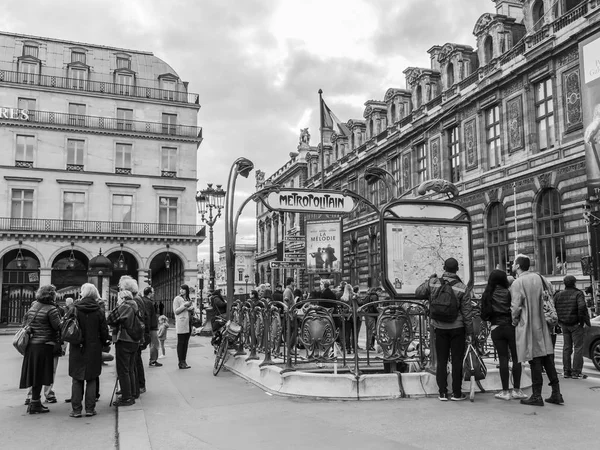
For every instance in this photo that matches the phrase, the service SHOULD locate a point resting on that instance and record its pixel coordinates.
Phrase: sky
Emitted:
(257, 65)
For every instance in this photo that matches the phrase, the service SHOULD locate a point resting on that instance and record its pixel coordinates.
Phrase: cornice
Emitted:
(30, 179)
(123, 185)
(159, 187)
(81, 182)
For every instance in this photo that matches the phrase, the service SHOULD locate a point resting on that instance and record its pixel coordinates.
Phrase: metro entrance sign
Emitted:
(314, 200)
(287, 264)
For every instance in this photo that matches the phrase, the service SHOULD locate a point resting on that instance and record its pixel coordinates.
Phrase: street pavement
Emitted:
(192, 409)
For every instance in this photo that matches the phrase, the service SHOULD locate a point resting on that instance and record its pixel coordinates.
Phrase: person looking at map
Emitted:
(450, 336)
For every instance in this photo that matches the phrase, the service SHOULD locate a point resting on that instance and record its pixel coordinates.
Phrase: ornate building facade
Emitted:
(501, 120)
(99, 150)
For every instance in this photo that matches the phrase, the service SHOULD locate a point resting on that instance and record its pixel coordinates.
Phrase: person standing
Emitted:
(573, 317)
(126, 348)
(153, 322)
(288, 294)
(496, 310)
(278, 293)
(346, 297)
(450, 337)
(85, 359)
(371, 317)
(38, 362)
(532, 333)
(183, 307)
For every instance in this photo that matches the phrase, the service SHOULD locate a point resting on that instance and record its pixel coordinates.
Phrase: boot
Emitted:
(536, 397)
(556, 396)
(36, 407)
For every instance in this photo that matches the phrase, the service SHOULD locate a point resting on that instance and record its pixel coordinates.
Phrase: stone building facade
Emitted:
(99, 149)
(501, 120)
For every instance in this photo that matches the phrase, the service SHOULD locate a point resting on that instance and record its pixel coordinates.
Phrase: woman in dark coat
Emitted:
(38, 362)
(85, 360)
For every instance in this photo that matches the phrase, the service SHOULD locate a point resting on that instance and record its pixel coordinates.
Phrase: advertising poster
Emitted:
(589, 60)
(324, 247)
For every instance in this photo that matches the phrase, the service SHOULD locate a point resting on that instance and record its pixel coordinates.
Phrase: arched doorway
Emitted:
(69, 272)
(124, 263)
(166, 275)
(20, 280)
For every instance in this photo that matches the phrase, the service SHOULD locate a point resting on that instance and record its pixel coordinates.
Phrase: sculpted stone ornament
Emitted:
(304, 136)
(440, 186)
(318, 333)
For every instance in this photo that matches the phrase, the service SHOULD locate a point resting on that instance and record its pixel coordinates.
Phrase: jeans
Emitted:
(503, 337)
(573, 345)
(446, 342)
(183, 340)
(154, 345)
(125, 357)
(140, 376)
(536, 373)
(77, 395)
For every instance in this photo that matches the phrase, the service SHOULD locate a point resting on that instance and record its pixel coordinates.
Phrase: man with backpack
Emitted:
(450, 310)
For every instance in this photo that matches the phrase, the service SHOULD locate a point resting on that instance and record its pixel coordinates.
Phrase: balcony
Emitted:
(75, 167)
(100, 87)
(100, 228)
(108, 124)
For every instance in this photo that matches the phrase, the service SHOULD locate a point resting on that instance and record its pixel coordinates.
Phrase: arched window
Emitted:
(374, 260)
(371, 128)
(497, 239)
(488, 49)
(419, 96)
(393, 113)
(449, 75)
(537, 14)
(570, 4)
(550, 234)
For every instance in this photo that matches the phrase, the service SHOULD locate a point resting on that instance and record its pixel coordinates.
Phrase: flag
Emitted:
(331, 122)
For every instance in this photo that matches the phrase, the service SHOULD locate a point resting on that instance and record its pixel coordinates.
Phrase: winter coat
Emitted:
(151, 313)
(527, 309)
(85, 360)
(329, 295)
(571, 307)
(501, 302)
(219, 304)
(429, 289)
(120, 316)
(45, 323)
(182, 315)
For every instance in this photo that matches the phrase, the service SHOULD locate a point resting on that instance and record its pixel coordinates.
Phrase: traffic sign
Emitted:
(287, 264)
(295, 238)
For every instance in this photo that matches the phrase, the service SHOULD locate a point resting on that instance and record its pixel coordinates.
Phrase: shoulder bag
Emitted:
(22, 336)
(548, 303)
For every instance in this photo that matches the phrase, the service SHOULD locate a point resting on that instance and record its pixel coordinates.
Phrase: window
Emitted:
(123, 63)
(28, 72)
(24, 153)
(449, 75)
(124, 119)
(169, 122)
(419, 96)
(78, 56)
(21, 204)
(497, 239)
(544, 113)
(268, 236)
(393, 113)
(121, 211)
(124, 83)
(168, 161)
(421, 163)
(123, 159)
(240, 275)
(73, 206)
(537, 15)
(78, 78)
(168, 89)
(454, 154)
(167, 214)
(397, 172)
(488, 49)
(373, 193)
(374, 260)
(550, 234)
(492, 135)
(31, 50)
(75, 154)
(77, 114)
(27, 104)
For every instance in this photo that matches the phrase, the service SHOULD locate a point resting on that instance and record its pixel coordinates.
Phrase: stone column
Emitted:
(45, 276)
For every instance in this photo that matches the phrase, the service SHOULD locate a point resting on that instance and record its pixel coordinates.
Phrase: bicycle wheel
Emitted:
(220, 356)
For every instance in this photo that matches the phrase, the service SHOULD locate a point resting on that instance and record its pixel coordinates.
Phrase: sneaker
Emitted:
(503, 395)
(90, 413)
(162, 357)
(458, 399)
(518, 394)
(121, 402)
(579, 376)
(75, 415)
(51, 400)
(443, 397)
(567, 375)
(27, 401)
(155, 364)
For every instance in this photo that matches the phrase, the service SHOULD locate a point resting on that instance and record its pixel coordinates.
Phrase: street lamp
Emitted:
(246, 278)
(207, 200)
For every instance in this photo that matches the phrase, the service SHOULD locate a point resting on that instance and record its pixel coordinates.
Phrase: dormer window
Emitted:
(537, 14)
(123, 63)
(393, 112)
(31, 50)
(419, 96)
(78, 57)
(488, 48)
(450, 75)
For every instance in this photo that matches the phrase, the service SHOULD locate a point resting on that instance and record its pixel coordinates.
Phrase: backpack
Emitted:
(136, 329)
(444, 307)
(70, 331)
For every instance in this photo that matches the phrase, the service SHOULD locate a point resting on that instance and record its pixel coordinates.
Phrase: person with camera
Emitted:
(183, 306)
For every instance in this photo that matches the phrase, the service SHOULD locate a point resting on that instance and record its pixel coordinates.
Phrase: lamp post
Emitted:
(246, 278)
(210, 199)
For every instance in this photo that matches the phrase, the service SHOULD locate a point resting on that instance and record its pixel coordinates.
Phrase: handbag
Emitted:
(548, 303)
(195, 321)
(70, 331)
(23, 334)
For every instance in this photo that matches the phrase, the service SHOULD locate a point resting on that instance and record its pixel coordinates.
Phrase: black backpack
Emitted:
(444, 307)
(136, 329)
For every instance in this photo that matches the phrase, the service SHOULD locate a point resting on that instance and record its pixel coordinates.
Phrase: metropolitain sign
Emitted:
(313, 200)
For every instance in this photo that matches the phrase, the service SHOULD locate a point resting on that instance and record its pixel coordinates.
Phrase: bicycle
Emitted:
(229, 333)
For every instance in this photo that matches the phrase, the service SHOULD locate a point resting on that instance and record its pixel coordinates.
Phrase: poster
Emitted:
(324, 246)
(589, 59)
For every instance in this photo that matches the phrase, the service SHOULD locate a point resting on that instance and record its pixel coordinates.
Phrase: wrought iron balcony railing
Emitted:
(101, 87)
(97, 227)
(109, 123)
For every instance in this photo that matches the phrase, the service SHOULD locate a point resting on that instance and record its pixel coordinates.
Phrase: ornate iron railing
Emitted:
(101, 87)
(110, 123)
(98, 227)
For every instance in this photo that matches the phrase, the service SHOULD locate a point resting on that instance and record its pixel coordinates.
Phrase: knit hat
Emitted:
(570, 281)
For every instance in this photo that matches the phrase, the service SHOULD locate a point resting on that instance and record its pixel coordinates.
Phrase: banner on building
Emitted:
(589, 61)
(324, 246)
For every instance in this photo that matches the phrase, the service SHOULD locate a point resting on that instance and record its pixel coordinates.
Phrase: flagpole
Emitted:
(322, 147)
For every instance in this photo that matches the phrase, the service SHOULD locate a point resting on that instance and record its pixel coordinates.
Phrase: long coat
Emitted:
(527, 309)
(182, 315)
(85, 360)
